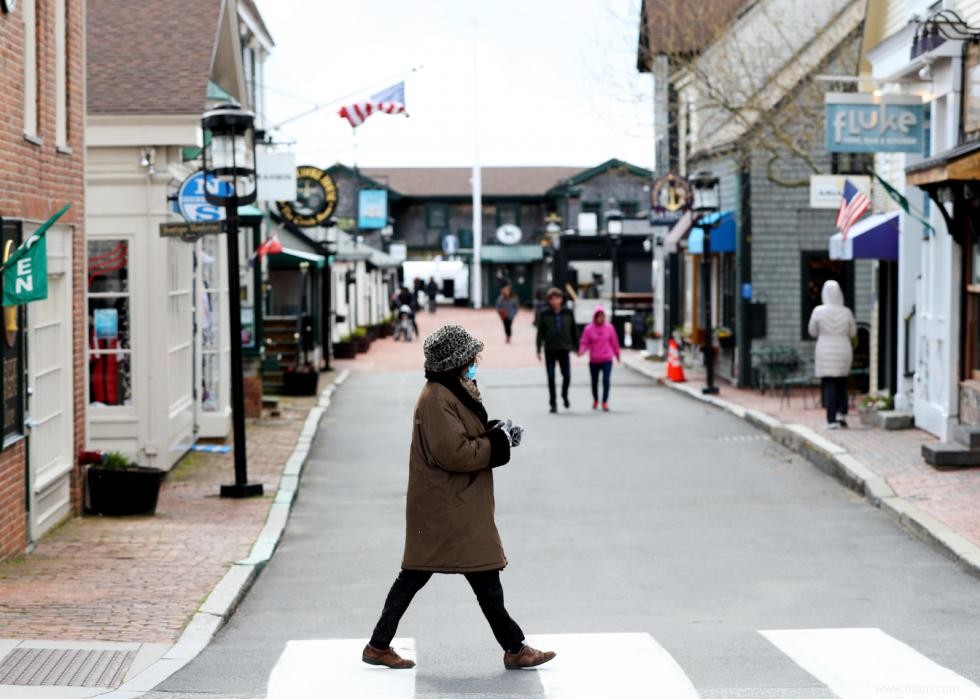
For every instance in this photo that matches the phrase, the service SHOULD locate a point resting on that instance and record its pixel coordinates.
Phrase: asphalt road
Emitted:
(665, 517)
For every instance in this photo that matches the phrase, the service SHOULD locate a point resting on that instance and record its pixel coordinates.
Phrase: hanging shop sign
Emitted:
(670, 196)
(372, 209)
(826, 190)
(316, 198)
(858, 122)
(191, 203)
(275, 175)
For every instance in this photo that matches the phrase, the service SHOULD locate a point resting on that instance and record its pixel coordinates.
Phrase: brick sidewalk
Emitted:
(952, 497)
(139, 579)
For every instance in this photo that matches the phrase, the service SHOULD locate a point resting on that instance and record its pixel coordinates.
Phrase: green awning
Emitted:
(507, 254)
(250, 211)
(295, 248)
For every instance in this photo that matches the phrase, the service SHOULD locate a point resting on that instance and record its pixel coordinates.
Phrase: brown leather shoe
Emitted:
(388, 658)
(527, 657)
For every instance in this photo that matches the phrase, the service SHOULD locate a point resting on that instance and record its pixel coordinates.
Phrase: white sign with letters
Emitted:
(826, 190)
(275, 175)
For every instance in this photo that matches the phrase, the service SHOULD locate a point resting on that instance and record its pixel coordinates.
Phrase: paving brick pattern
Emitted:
(141, 578)
(952, 497)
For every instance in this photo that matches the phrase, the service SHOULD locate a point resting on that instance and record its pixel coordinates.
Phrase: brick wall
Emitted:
(35, 180)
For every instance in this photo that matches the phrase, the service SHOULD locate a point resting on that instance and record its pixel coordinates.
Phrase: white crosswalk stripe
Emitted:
(622, 665)
(868, 663)
(853, 663)
(324, 669)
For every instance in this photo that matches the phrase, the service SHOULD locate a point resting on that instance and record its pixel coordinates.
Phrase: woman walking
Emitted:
(601, 343)
(507, 307)
(449, 512)
(833, 324)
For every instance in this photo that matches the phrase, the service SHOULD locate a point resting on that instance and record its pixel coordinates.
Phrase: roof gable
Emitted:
(612, 164)
(151, 58)
(682, 27)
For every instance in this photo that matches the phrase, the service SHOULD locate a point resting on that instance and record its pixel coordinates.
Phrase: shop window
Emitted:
(593, 207)
(971, 338)
(508, 213)
(12, 378)
(629, 208)
(109, 349)
(208, 319)
(436, 216)
(852, 163)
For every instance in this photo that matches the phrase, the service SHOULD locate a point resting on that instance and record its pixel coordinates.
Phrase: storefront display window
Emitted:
(817, 268)
(209, 323)
(109, 350)
(12, 380)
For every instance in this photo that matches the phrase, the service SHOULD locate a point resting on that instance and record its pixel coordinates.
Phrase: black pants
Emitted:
(508, 326)
(561, 357)
(834, 389)
(489, 593)
(604, 368)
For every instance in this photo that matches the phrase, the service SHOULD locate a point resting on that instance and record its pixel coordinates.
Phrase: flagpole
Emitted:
(477, 280)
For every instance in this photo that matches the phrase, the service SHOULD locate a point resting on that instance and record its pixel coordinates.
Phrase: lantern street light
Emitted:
(707, 201)
(229, 176)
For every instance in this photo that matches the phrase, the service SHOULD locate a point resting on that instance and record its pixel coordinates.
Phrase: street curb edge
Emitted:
(834, 460)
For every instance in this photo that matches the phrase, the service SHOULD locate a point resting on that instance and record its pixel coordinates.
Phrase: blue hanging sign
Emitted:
(858, 122)
(372, 208)
(191, 203)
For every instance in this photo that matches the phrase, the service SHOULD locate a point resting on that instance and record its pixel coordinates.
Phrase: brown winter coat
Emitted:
(449, 525)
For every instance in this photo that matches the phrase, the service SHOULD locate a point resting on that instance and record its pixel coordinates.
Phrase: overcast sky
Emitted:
(557, 80)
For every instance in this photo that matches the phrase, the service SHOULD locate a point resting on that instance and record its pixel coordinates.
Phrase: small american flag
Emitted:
(391, 100)
(853, 204)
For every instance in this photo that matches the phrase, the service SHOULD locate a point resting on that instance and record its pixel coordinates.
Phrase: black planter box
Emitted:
(363, 344)
(132, 491)
(344, 350)
(299, 383)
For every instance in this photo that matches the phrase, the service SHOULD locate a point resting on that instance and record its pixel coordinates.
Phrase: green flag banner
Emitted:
(25, 272)
(900, 199)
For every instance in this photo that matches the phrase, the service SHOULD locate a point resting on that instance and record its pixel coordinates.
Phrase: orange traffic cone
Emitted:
(675, 370)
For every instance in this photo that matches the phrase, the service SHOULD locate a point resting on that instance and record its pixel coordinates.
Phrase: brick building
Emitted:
(42, 103)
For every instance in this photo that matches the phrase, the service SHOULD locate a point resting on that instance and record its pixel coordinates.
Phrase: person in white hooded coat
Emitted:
(833, 324)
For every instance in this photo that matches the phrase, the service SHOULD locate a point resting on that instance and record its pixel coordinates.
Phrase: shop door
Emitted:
(50, 403)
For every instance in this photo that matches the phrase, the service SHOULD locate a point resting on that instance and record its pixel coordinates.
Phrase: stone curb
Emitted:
(221, 603)
(834, 460)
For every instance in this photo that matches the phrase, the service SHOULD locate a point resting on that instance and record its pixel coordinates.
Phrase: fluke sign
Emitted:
(858, 122)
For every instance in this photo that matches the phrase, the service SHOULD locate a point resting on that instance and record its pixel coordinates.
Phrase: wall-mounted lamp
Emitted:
(148, 157)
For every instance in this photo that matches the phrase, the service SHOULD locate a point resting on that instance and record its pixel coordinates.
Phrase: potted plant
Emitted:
(869, 406)
(362, 342)
(653, 340)
(345, 349)
(117, 486)
(300, 380)
(726, 337)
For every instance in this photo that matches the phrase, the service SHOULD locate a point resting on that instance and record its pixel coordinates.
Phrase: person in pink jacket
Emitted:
(602, 344)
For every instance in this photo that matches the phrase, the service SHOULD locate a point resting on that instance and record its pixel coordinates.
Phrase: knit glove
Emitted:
(514, 432)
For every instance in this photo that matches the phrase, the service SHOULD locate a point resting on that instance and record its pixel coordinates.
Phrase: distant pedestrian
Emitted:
(601, 343)
(557, 336)
(431, 291)
(833, 324)
(507, 307)
(449, 510)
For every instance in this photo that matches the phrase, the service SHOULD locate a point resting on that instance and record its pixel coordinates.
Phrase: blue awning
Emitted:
(874, 238)
(722, 233)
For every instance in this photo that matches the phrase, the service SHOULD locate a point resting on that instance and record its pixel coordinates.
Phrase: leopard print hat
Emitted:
(450, 347)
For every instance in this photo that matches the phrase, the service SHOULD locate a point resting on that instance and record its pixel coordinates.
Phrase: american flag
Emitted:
(391, 100)
(853, 204)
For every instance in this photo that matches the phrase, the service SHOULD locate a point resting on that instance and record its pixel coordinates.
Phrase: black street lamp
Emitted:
(707, 200)
(229, 176)
(614, 230)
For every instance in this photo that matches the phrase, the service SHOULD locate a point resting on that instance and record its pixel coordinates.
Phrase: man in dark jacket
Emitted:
(558, 336)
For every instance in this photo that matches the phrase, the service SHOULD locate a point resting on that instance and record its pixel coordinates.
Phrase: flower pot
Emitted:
(344, 350)
(362, 345)
(653, 345)
(300, 383)
(868, 416)
(726, 341)
(130, 491)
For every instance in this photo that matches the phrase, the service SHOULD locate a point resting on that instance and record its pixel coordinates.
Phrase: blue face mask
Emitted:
(471, 372)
